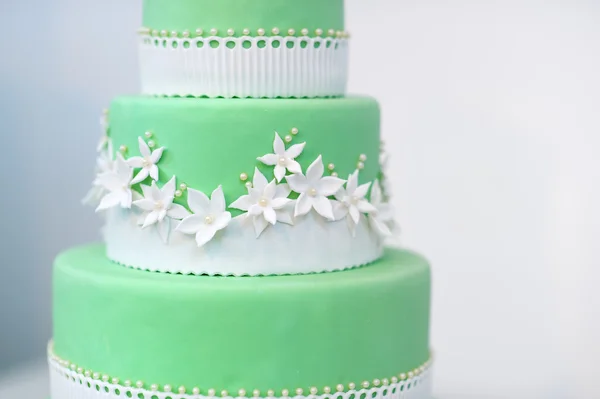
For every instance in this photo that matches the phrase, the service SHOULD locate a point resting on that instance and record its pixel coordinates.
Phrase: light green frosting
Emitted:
(242, 332)
(210, 142)
(180, 15)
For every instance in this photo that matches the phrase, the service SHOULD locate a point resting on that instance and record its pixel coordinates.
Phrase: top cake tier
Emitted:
(244, 48)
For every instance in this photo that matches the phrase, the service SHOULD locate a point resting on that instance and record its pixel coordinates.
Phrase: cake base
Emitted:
(242, 333)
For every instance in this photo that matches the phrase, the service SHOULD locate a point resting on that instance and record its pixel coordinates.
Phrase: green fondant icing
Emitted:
(210, 142)
(247, 332)
(189, 15)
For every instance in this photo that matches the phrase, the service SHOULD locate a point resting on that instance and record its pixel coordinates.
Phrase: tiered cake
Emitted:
(245, 215)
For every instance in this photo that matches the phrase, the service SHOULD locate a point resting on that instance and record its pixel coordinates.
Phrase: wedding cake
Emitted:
(245, 208)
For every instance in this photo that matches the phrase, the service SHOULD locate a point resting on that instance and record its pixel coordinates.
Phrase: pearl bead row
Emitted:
(242, 393)
(340, 34)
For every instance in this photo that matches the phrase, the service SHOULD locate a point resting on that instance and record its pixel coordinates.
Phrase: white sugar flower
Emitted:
(282, 159)
(104, 163)
(209, 215)
(383, 214)
(159, 207)
(147, 162)
(265, 202)
(351, 201)
(118, 185)
(314, 190)
(104, 139)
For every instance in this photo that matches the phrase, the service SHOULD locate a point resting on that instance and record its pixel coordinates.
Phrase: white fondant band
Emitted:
(67, 383)
(274, 66)
(311, 245)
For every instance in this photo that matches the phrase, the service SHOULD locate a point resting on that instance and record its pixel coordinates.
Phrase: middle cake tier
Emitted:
(244, 187)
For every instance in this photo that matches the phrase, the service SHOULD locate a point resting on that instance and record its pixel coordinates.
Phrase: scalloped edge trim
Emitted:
(226, 274)
(415, 381)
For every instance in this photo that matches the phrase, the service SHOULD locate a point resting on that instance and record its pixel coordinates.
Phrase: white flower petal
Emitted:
(259, 181)
(376, 193)
(144, 149)
(110, 181)
(204, 235)
(297, 183)
(156, 155)
(260, 224)
(164, 229)
(293, 166)
(385, 212)
(362, 190)
(243, 203)
(135, 162)
(270, 216)
(354, 214)
(283, 190)
(340, 210)
(323, 207)
(126, 198)
(278, 203)
(279, 172)
(198, 202)
(141, 176)
(145, 204)
(295, 150)
(255, 210)
(340, 194)
(155, 192)
(284, 216)
(270, 189)
(329, 185)
(269, 159)
(108, 201)
(146, 190)
(303, 205)
(365, 207)
(217, 201)
(153, 172)
(177, 211)
(315, 170)
(221, 221)
(352, 183)
(191, 224)
(168, 189)
(278, 145)
(380, 227)
(150, 219)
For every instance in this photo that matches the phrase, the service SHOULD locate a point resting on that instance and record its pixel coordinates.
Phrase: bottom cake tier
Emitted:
(125, 333)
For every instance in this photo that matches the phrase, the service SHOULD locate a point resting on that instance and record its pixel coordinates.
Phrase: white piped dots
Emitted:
(242, 392)
(199, 32)
(285, 393)
(115, 380)
(270, 393)
(154, 387)
(394, 380)
(314, 390)
(96, 376)
(105, 377)
(339, 388)
(164, 33)
(331, 32)
(299, 391)
(174, 34)
(196, 391)
(261, 32)
(319, 32)
(167, 388)
(214, 32)
(291, 32)
(402, 376)
(79, 370)
(376, 382)
(139, 384)
(224, 393)
(327, 390)
(185, 33)
(230, 32)
(352, 386)
(256, 393)
(181, 389)
(212, 392)
(365, 384)
(127, 383)
(304, 32)
(410, 374)
(246, 32)
(275, 31)
(362, 157)
(385, 382)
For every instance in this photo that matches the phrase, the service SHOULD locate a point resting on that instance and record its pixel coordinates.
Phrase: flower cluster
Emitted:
(266, 204)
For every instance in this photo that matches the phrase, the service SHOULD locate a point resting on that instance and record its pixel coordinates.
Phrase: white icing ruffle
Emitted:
(68, 383)
(311, 245)
(274, 66)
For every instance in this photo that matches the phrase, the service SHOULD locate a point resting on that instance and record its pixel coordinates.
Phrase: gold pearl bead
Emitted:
(243, 176)
(261, 32)
(248, 184)
(214, 32)
(327, 390)
(123, 148)
(230, 32)
(246, 32)
(291, 32)
(362, 157)
(331, 166)
(339, 388)
(288, 139)
(199, 32)
(181, 390)
(365, 384)
(331, 32)
(360, 165)
(294, 131)
(178, 193)
(352, 386)
(151, 144)
(319, 32)
(275, 31)
(183, 187)
(312, 192)
(304, 32)
(334, 174)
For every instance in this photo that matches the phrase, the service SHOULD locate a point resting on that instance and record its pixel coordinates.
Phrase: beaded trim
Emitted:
(340, 34)
(67, 377)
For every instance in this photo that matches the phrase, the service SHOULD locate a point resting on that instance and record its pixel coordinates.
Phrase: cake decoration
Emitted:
(351, 202)
(283, 159)
(147, 162)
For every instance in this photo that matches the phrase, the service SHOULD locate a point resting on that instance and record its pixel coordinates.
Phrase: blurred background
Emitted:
(491, 114)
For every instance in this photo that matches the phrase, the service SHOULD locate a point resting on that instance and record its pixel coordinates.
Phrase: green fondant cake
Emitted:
(246, 239)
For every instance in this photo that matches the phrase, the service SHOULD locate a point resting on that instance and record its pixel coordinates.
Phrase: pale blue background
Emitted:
(491, 112)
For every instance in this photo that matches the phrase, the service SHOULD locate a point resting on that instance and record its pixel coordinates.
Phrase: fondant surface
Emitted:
(243, 14)
(210, 142)
(242, 332)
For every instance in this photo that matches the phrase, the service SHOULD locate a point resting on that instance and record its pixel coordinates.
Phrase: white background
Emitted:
(491, 110)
